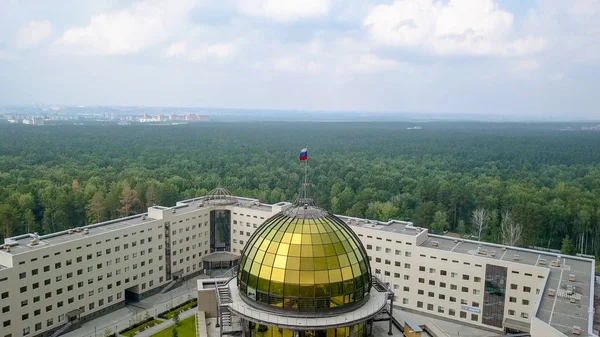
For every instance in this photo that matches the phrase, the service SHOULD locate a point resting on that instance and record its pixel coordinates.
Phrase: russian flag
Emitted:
(304, 154)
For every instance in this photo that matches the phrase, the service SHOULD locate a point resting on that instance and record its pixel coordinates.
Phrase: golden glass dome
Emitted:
(304, 259)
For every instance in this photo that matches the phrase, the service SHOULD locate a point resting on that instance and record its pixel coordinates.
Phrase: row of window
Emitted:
(59, 278)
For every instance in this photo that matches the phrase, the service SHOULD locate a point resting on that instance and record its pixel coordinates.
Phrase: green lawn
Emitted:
(186, 328)
(179, 310)
(131, 333)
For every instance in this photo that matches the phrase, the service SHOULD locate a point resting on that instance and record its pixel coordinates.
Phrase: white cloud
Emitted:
(285, 10)
(296, 64)
(572, 29)
(33, 33)
(175, 49)
(131, 30)
(458, 27)
(373, 63)
(218, 51)
(344, 56)
(528, 64)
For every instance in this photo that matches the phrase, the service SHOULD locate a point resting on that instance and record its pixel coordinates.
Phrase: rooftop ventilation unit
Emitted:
(77, 230)
(435, 243)
(70, 231)
(34, 242)
(516, 257)
(173, 211)
(143, 217)
(86, 231)
(543, 262)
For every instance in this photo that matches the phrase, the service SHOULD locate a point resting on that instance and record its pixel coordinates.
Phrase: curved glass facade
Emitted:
(308, 261)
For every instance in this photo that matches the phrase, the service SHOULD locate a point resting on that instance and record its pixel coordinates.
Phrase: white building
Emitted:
(74, 276)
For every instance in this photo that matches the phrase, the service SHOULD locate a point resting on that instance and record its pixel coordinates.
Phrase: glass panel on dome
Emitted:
(293, 263)
(332, 262)
(280, 261)
(322, 277)
(294, 250)
(306, 263)
(320, 263)
(278, 275)
(335, 275)
(318, 251)
(307, 251)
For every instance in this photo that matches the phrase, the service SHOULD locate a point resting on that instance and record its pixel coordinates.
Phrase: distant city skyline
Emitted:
(521, 59)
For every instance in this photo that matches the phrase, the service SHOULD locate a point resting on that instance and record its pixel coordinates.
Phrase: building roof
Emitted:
(22, 243)
(558, 312)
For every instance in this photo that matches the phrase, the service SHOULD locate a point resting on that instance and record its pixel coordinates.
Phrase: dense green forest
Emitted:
(57, 177)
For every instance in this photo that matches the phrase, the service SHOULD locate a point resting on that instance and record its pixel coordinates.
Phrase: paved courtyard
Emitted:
(119, 319)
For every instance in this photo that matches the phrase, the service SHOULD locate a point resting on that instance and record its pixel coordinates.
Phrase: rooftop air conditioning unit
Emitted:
(7, 249)
(34, 242)
(77, 230)
(435, 243)
(86, 231)
(503, 249)
(70, 231)
(516, 257)
(173, 211)
(143, 217)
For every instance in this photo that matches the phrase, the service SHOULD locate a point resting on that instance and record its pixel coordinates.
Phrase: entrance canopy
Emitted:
(219, 260)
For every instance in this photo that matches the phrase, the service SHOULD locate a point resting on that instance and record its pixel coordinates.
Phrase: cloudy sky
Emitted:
(511, 57)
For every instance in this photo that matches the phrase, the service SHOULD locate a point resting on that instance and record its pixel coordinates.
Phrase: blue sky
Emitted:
(510, 57)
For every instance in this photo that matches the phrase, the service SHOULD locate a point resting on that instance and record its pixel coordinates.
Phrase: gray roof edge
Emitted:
(528, 250)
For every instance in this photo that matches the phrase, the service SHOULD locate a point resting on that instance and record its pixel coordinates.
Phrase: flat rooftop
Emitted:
(22, 243)
(561, 311)
(395, 226)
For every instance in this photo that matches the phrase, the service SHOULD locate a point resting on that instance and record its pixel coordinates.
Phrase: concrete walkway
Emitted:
(120, 319)
(166, 324)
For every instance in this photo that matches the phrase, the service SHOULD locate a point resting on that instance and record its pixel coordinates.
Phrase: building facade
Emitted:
(63, 279)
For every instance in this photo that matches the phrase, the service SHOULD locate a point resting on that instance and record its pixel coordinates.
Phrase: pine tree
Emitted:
(176, 318)
(567, 246)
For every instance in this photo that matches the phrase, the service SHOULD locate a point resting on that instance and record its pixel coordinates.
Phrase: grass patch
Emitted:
(131, 333)
(188, 306)
(186, 328)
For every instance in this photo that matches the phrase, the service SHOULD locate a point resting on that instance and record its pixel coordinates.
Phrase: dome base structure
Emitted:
(260, 321)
